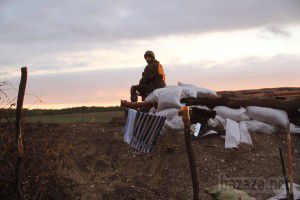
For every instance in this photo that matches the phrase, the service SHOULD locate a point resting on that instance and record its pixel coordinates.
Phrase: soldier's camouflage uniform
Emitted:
(153, 78)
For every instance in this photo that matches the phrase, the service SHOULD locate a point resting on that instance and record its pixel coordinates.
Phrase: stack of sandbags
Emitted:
(238, 122)
(168, 100)
(255, 119)
(236, 133)
(258, 119)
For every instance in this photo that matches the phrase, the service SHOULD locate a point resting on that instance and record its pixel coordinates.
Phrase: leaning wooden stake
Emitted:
(284, 174)
(18, 171)
(186, 120)
(290, 158)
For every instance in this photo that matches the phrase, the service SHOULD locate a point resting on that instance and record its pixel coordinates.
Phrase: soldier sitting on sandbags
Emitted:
(153, 78)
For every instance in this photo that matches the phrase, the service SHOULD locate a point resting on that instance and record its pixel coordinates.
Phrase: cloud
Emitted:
(78, 22)
(40, 30)
(278, 31)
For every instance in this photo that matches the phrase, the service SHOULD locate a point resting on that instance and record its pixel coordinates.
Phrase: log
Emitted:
(137, 105)
(291, 105)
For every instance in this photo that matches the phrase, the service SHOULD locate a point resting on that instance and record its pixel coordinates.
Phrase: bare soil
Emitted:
(91, 161)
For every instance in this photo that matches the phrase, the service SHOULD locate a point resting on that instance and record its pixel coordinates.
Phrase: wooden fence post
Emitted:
(185, 113)
(290, 159)
(20, 101)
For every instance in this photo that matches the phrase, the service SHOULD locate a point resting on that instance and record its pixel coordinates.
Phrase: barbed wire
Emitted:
(8, 91)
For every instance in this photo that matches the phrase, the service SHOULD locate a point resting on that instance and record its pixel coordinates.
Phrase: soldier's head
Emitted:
(149, 56)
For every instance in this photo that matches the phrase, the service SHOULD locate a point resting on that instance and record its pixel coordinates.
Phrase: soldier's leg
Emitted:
(133, 94)
(145, 90)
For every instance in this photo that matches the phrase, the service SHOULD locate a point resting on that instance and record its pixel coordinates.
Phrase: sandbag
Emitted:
(222, 120)
(195, 129)
(245, 135)
(150, 97)
(230, 113)
(175, 123)
(152, 110)
(218, 124)
(153, 96)
(188, 92)
(227, 192)
(271, 116)
(232, 137)
(294, 129)
(168, 112)
(260, 127)
(200, 91)
(169, 98)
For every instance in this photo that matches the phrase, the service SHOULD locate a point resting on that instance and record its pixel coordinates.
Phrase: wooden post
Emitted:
(290, 158)
(20, 101)
(284, 174)
(186, 120)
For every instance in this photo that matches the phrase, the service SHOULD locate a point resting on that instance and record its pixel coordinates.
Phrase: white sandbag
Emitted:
(175, 123)
(188, 92)
(294, 128)
(169, 98)
(213, 123)
(260, 127)
(271, 116)
(234, 114)
(218, 123)
(168, 112)
(200, 91)
(218, 120)
(153, 97)
(245, 135)
(152, 110)
(150, 97)
(195, 129)
(222, 120)
(232, 137)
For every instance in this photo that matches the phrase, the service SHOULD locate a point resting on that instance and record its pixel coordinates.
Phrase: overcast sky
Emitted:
(90, 52)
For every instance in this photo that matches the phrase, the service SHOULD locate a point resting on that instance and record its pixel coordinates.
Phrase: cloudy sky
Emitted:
(90, 52)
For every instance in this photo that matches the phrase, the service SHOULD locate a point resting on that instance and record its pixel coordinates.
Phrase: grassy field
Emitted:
(100, 117)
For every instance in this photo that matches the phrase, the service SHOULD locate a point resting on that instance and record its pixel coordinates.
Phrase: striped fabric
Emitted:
(144, 131)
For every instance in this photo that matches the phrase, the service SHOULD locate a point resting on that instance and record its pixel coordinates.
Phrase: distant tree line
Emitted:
(40, 112)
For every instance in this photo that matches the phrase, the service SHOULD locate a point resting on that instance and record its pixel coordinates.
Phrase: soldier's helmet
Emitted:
(149, 53)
